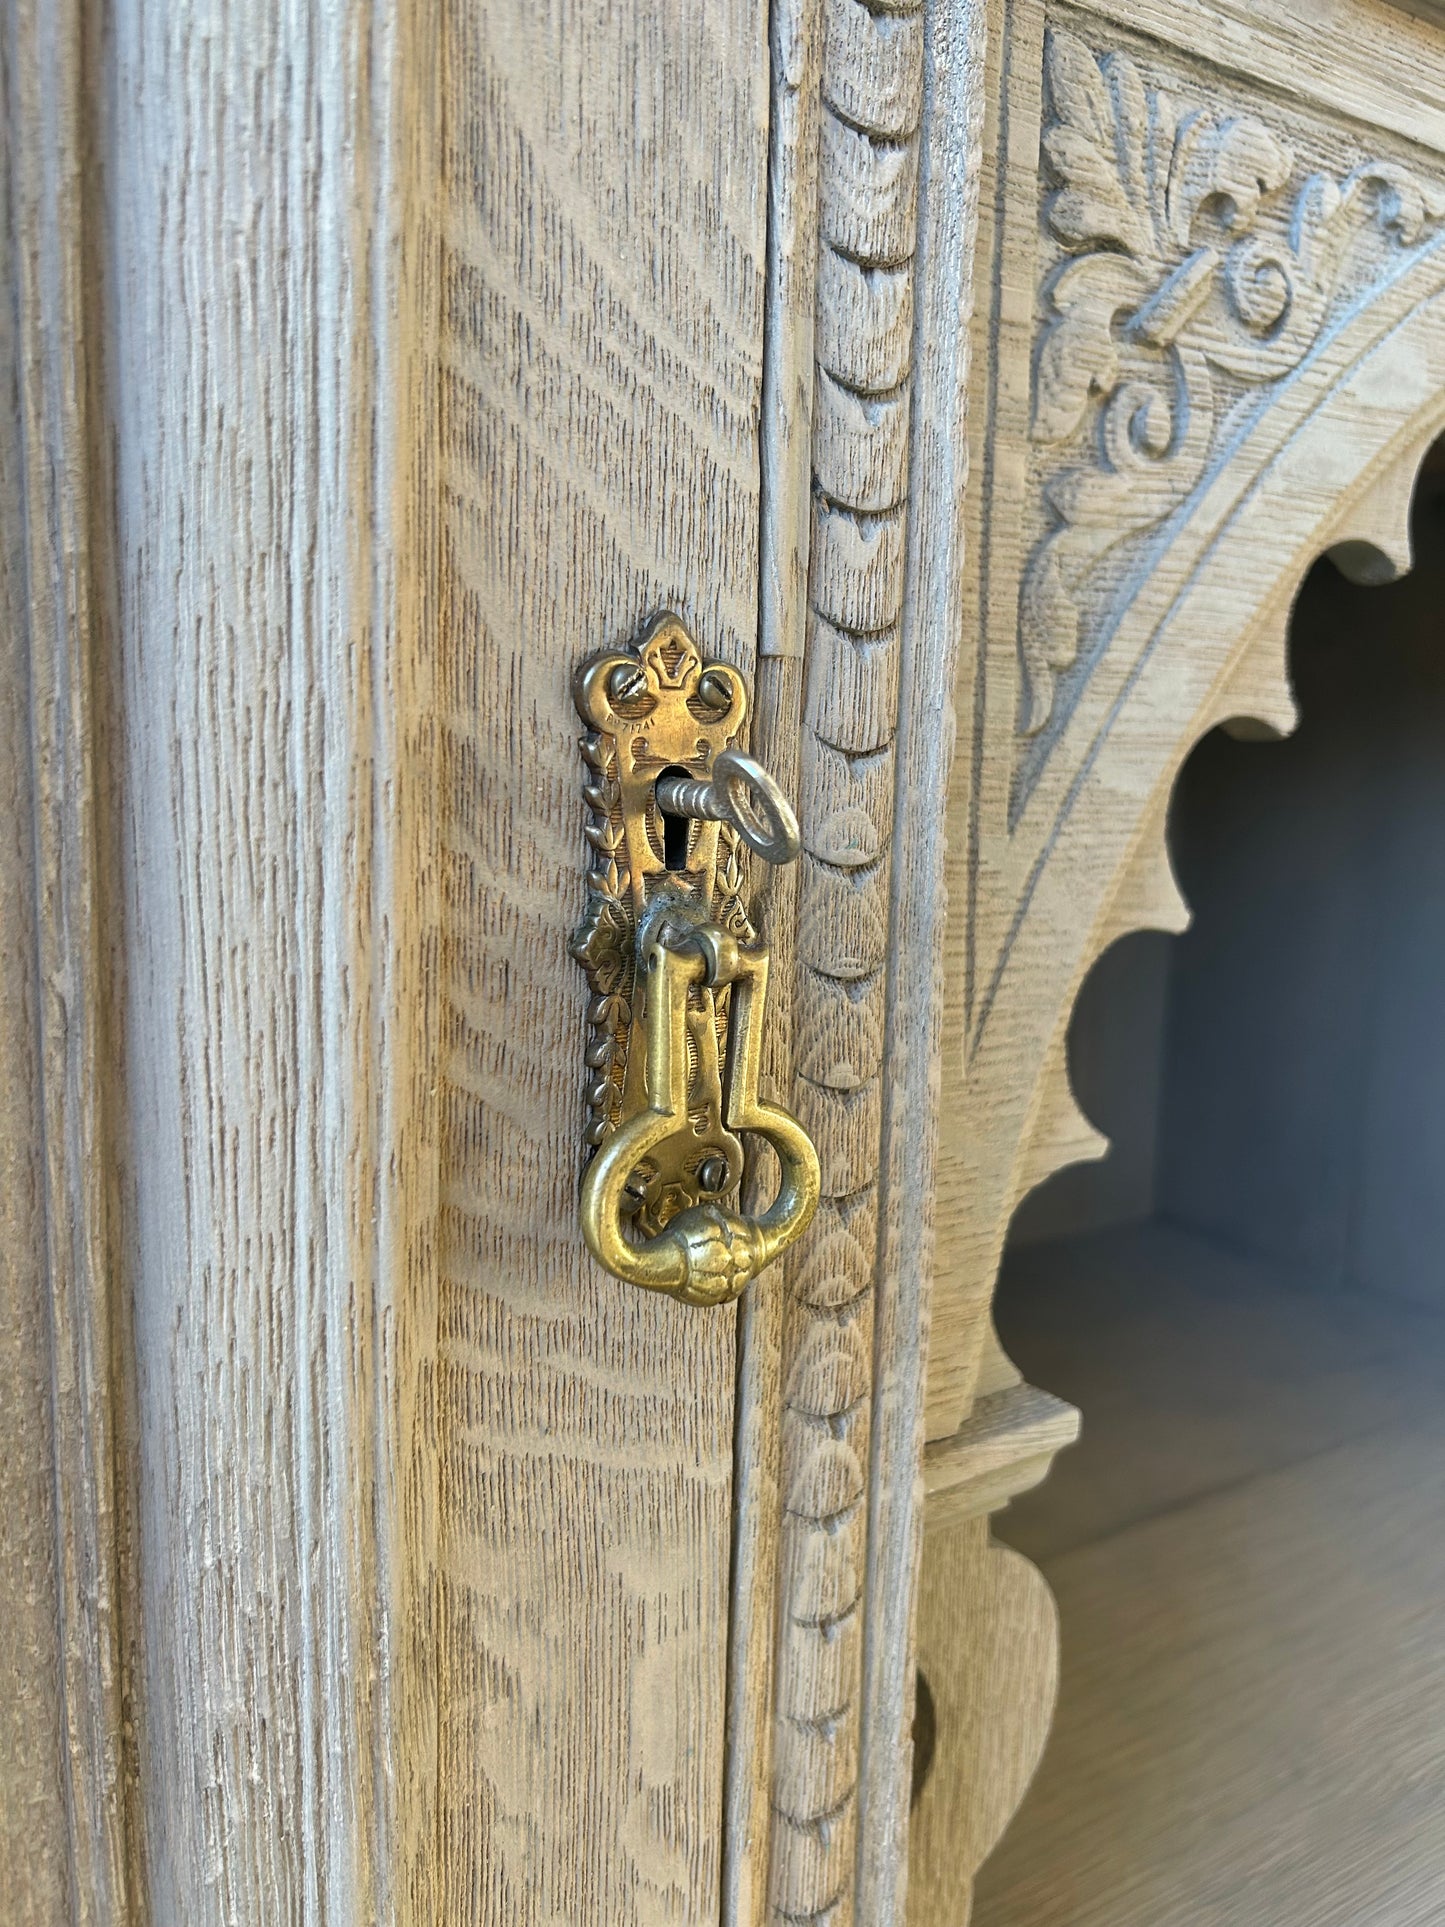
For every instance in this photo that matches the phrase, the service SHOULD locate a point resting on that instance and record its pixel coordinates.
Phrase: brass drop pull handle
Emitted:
(678, 976)
(707, 1253)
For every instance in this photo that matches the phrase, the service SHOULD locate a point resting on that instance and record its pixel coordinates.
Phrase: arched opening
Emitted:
(1247, 1301)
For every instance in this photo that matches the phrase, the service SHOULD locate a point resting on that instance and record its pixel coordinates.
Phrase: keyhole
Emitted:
(675, 829)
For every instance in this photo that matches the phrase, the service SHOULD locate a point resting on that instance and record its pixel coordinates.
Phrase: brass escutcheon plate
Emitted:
(652, 710)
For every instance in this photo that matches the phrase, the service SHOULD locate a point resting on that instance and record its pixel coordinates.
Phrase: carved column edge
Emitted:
(897, 129)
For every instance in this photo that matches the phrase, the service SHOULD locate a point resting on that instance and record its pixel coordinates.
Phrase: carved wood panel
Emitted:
(1185, 273)
(602, 326)
(1211, 336)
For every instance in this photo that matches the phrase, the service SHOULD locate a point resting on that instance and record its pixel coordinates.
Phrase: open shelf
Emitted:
(1248, 1549)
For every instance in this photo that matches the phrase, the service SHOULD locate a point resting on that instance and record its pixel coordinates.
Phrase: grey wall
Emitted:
(1116, 1062)
(1303, 1112)
(1276, 1077)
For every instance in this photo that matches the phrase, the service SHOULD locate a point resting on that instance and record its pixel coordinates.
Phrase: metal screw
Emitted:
(715, 690)
(712, 1174)
(626, 683)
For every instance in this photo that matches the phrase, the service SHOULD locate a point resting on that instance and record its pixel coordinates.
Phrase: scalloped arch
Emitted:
(1328, 467)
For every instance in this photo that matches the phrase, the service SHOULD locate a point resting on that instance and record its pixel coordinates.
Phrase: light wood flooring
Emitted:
(1248, 1549)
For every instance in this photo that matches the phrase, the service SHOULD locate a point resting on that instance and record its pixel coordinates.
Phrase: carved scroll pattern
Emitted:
(1194, 276)
(872, 101)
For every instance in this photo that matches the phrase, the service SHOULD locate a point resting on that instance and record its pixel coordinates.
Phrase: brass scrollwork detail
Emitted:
(678, 977)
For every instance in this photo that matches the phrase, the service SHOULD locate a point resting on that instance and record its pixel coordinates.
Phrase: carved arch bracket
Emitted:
(1197, 261)
(1216, 639)
(1340, 484)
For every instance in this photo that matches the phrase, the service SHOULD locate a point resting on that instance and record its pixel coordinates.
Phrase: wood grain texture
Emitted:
(1358, 60)
(931, 636)
(602, 280)
(988, 1647)
(65, 1854)
(274, 951)
(1006, 1447)
(785, 509)
(36, 1763)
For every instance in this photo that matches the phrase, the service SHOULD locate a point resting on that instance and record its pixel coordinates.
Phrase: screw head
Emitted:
(626, 683)
(715, 689)
(712, 1174)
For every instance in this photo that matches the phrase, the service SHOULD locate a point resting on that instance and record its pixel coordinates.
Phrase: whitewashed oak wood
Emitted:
(62, 1781)
(601, 284)
(275, 1005)
(230, 836)
(1058, 816)
(785, 513)
(944, 384)
(374, 364)
(36, 1762)
(869, 136)
(988, 1647)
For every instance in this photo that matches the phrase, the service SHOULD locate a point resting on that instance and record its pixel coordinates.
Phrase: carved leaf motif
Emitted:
(1049, 635)
(1224, 166)
(1102, 199)
(1078, 355)
(1080, 96)
(1050, 616)
(1169, 276)
(1131, 121)
(1406, 205)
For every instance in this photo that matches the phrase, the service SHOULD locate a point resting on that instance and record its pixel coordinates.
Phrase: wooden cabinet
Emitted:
(979, 377)
(1207, 336)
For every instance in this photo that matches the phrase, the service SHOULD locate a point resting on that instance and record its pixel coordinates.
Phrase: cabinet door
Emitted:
(600, 261)
(375, 1555)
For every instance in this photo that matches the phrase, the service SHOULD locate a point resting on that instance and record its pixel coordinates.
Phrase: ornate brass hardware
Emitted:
(678, 977)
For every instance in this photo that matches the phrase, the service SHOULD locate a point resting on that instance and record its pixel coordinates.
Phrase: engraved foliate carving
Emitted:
(1200, 261)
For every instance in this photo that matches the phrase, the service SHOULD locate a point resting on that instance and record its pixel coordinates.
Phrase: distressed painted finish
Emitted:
(602, 223)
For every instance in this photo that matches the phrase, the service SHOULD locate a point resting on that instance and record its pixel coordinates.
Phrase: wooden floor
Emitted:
(1248, 1549)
